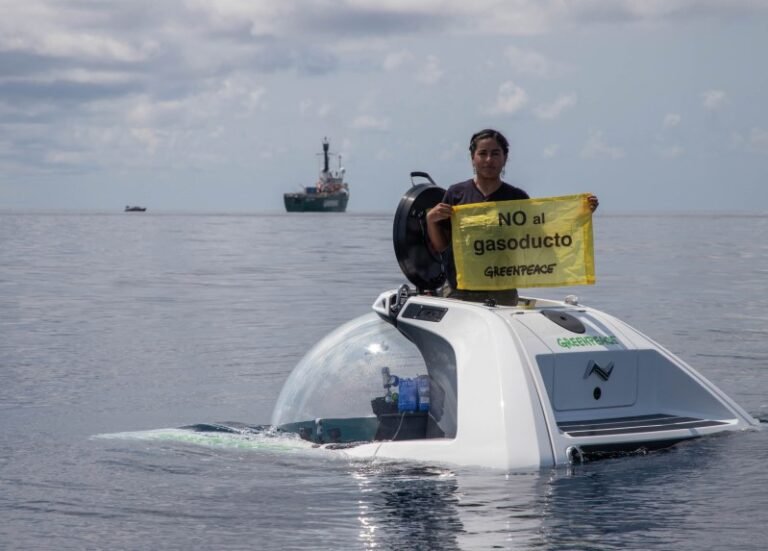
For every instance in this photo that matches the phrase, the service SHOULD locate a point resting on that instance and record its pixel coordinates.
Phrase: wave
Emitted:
(221, 435)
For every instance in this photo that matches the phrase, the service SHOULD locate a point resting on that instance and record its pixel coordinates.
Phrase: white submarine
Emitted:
(539, 384)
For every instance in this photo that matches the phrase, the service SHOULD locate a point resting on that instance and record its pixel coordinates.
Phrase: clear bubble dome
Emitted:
(341, 374)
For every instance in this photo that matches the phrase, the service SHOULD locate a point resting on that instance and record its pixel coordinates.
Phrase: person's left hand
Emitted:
(593, 202)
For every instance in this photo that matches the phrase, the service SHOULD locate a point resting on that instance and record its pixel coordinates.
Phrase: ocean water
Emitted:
(117, 330)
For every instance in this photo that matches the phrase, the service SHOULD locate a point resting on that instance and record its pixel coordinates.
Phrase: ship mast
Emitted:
(325, 155)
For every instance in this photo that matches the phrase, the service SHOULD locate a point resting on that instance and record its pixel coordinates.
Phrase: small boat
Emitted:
(538, 384)
(330, 194)
(129, 208)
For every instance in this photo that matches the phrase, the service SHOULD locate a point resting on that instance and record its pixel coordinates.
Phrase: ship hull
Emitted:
(320, 202)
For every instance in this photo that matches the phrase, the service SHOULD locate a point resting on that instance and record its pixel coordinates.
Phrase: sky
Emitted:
(222, 106)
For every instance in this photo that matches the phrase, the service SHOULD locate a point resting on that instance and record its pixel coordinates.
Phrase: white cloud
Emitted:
(369, 122)
(253, 99)
(145, 111)
(263, 18)
(596, 148)
(190, 78)
(553, 110)
(671, 151)
(395, 60)
(88, 46)
(147, 137)
(65, 157)
(550, 151)
(505, 17)
(510, 98)
(309, 106)
(528, 62)
(756, 141)
(79, 76)
(713, 99)
(431, 73)
(305, 105)
(672, 120)
(323, 110)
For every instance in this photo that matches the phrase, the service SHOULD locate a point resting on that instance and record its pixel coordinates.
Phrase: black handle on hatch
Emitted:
(419, 174)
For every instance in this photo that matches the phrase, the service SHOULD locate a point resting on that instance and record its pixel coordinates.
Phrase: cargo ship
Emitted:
(329, 194)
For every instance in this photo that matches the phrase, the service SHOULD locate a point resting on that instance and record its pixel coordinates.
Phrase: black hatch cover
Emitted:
(565, 320)
(420, 264)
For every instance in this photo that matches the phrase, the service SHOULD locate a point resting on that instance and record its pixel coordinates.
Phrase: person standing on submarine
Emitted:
(489, 150)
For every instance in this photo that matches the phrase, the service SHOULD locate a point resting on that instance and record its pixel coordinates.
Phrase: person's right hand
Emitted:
(440, 211)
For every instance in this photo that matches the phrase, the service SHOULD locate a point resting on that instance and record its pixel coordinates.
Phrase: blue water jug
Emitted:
(408, 400)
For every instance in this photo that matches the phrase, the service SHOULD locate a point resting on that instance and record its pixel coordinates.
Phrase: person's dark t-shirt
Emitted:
(467, 193)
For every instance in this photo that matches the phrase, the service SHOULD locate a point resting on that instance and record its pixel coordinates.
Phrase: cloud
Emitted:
(50, 84)
(713, 99)
(591, 12)
(671, 151)
(553, 110)
(395, 60)
(254, 98)
(323, 110)
(309, 106)
(58, 40)
(510, 99)
(370, 122)
(528, 62)
(756, 141)
(147, 137)
(672, 120)
(235, 97)
(550, 151)
(73, 158)
(145, 112)
(365, 18)
(362, 19)
(431, 73)
(101, 83)
(596, 148)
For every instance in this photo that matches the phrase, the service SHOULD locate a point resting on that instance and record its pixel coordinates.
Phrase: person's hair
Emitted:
(488, 133)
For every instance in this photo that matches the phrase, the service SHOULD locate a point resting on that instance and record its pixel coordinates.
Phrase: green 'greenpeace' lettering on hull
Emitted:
(589, 340)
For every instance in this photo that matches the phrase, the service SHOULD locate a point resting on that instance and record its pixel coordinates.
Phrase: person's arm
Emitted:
(593, 202)
(438, 235)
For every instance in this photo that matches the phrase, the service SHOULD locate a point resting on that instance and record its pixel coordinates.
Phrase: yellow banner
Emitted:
(543, 242)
